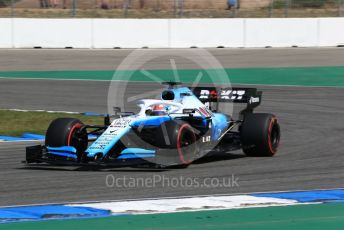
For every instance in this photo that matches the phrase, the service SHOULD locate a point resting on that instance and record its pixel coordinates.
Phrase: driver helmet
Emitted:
(158, 110)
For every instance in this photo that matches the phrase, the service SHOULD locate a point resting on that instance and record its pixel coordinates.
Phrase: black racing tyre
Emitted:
(67, 132)
(179, 139)
(260, 135)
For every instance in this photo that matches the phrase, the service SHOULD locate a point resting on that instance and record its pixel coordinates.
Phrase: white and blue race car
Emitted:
(184, 125)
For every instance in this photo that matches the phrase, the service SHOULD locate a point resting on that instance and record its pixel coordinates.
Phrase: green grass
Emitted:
(13, 123)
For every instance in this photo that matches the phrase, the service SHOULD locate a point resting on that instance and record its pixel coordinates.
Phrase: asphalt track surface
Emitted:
(310, 157)
(84, 59)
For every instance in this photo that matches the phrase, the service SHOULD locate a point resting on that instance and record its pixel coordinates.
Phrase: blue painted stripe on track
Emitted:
(33, 136)
(336, 195)
(9, 138)
(48, 212)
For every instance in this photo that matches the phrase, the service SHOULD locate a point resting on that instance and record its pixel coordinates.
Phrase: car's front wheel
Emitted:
(178, 139)
(67, 132)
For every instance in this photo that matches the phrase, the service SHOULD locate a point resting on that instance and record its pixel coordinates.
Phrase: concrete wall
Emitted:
(331, 31)
(185, 33)
(6, 34)
(281, 32)
(52, 33)
(170, 33)
(130, 33)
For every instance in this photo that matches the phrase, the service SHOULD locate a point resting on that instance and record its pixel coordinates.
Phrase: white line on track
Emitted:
(54, 79)
(95, 80)
(40, 110)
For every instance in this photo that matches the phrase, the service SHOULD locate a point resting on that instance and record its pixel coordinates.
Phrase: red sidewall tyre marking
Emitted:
(179, 144)
(272, 150)
(76, 126)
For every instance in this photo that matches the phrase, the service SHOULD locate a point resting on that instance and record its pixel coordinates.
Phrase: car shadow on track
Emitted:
(218, 156)
(210, 157)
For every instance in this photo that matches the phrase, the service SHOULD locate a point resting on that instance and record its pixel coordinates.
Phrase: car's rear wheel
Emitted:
(260, 134)
(67, 132)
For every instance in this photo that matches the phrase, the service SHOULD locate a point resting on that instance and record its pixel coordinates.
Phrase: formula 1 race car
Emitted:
(176, 130)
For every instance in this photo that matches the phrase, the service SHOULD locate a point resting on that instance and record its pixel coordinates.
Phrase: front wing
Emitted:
(66, 155)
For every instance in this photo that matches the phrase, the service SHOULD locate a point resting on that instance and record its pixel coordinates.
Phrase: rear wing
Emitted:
(211, 95)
